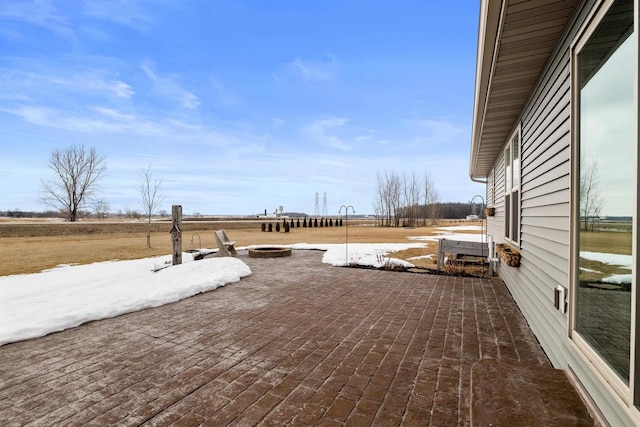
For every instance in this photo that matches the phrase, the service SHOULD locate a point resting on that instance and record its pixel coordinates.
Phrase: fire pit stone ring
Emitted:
(269, 252)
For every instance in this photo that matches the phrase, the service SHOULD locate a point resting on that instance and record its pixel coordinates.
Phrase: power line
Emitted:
(324, 205)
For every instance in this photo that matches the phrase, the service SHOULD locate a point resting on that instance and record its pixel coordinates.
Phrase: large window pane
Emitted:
(515, 215)
(507, 170)
(507, 215)
(515, 147)
(606, 69)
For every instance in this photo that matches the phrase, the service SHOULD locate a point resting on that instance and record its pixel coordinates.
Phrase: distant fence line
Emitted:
(38, 229)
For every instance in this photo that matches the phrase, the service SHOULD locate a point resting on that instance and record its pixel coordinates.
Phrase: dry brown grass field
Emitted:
(33, 246)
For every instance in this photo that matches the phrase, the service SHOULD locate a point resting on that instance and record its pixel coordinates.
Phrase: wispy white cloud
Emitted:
(29, 84)
(438, 130)
(101, 120)
(313, 70)
(166, 85)
(276, 122)
(41, 13)
(323, 131)
(224, 96)
(130, 13)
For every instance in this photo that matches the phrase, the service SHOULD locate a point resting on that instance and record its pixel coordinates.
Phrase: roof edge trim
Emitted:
(488, 36)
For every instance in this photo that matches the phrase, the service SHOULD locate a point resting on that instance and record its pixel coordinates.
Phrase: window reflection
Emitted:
(606, 69)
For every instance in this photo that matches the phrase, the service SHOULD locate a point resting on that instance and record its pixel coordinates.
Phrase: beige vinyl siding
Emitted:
(545, 207)
(545, 217)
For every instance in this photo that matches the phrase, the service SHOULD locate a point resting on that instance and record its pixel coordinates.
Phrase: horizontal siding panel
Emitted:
(561, 168)
(547, 250)
(561, 76)
(557, 235)
(558, 109)
(554, 264)
(558, 140)
(553, 93)
(562, 183)
(551, 210)
(556, 223)
(554, 198)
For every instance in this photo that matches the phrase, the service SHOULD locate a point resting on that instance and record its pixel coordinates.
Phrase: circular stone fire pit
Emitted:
(269, 252)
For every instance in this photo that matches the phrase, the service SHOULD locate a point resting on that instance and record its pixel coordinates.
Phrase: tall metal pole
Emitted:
(346, 231)
(482, 227)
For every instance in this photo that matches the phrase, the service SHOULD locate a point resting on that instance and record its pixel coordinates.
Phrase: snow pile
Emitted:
(452, 233)
(618, 279)
(623, 261)
(34, 305)
(429, 256)
(367, 254)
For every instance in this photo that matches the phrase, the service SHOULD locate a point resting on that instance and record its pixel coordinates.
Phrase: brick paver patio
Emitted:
(298, 342)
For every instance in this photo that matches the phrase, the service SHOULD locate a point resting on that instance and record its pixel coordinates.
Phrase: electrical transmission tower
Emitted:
(324, 205)
(316, 211)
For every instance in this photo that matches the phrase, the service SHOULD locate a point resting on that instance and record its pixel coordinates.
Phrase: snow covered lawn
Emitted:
(623, 261)
(453, 233)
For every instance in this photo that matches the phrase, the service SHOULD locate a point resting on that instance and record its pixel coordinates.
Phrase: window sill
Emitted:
(508, 255)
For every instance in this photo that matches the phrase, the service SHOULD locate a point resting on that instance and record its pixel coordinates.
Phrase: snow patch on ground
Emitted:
(461, 228)
(364, 254)
(588, 270)
(429, 256)
(618, 279)
(624, 261)
(452, 236)
(33, 305)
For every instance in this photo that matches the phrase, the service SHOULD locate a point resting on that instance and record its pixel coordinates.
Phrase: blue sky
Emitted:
(239, 106)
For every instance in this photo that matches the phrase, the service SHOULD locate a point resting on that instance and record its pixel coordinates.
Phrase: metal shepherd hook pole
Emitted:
(483, 229)
(346, 231)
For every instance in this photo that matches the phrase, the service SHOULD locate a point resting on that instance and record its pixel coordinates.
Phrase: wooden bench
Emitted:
(225, 245)
(460, 247)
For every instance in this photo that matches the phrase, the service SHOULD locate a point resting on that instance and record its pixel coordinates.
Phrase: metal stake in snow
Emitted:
(176, 234)
(346, 231)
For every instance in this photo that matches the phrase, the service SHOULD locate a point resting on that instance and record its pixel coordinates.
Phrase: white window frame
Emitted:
(512, 186)
(628, 395)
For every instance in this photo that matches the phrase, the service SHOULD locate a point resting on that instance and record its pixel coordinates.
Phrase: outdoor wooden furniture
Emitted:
(225, 245)
(459, 247)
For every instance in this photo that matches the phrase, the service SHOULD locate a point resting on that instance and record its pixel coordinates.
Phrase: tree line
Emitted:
(405, 199)
(411, 200)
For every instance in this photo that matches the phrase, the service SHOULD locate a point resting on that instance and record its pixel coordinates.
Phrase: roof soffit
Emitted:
(516, 39)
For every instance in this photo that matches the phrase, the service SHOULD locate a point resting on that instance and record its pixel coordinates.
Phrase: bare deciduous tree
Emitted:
(151, 198)
(590, 200)
(431, 198)
(77, 172)
(394, 184)
(101, 208)
(411, 198)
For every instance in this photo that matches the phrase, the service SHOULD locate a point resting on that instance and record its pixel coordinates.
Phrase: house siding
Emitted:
(545, 218)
